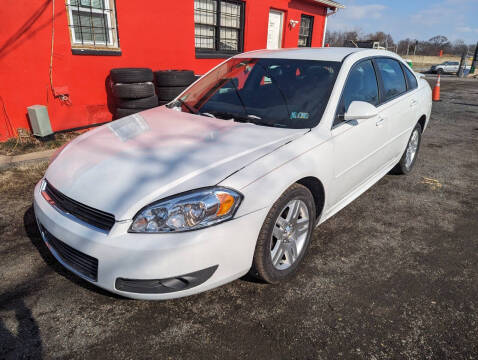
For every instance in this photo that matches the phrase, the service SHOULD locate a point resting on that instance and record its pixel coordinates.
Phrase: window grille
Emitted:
(219, 26)
(305, 31)
(93, 23)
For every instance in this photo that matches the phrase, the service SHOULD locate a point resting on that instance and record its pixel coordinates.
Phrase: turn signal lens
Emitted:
(226, 201)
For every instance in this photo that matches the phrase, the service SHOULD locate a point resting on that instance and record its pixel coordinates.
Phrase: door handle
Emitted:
(379, 122)
(413, 103)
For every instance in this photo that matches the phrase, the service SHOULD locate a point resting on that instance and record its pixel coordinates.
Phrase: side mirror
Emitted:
(360, 110)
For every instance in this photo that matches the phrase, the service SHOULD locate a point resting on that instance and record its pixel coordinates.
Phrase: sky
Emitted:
(420, 19)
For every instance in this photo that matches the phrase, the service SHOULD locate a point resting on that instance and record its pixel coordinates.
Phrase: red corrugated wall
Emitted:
(157, 34)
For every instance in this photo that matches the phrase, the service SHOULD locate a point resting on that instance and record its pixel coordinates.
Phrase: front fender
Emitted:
(263, 182)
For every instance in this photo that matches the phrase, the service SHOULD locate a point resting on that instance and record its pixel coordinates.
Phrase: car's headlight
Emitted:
(189, 211)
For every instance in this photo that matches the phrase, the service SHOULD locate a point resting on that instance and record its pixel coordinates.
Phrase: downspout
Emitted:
(327, 14)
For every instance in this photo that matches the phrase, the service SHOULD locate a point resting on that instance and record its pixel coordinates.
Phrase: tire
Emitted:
(169, 93)
(167, 78)
(133, 91)
(405, 165)
(131, 75)
(440, 71)
(120, 112)
(144, 103)
(263, 266)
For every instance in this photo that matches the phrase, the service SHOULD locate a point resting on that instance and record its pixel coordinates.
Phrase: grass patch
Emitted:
(18, 146)
(16, 181)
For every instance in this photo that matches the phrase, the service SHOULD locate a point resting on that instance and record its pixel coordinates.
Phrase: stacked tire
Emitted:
(133, 90)
(171, 83)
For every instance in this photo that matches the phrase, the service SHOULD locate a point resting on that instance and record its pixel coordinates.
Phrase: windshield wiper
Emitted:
(207, 114)
(252, 119)
(264, 123)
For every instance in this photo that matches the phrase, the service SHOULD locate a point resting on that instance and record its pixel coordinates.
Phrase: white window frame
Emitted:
(109, 12)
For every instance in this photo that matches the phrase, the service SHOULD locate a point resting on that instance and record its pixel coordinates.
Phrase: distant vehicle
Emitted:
(364, 44)
(446, 67)
(234, 174)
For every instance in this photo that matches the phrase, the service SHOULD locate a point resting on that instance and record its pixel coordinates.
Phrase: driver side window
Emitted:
(361, 85)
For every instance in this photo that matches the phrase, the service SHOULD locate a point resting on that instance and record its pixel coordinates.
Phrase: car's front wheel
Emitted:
(285, 235)
(409, 157)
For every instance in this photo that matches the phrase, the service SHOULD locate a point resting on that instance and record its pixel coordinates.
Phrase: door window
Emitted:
(361, 85)
(411, 79)
(392, 78)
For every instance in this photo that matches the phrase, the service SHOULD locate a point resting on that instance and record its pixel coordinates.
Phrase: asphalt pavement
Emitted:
(393, 275)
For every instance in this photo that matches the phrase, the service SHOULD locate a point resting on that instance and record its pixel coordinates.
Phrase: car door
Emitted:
(357, 143)
(413, 96)
(454, 66)
(398, 106)
(446, 67)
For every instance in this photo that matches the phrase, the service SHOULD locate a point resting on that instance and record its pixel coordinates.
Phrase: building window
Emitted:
(93, 24)
(305, 31)
(218, 27)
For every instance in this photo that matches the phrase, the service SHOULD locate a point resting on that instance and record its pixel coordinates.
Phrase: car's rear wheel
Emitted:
(409, 157)
(285, 235)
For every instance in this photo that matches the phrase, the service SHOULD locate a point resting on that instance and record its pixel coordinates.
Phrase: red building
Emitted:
(59, 53)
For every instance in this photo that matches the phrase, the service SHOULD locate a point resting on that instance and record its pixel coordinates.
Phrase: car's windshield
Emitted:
(271, 92)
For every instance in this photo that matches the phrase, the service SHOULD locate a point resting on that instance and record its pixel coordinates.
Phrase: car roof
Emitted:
(322, 53)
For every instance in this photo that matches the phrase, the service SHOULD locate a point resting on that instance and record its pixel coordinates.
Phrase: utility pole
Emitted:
(408, 46)
(415, 48)
(461, 69)
(474, 63)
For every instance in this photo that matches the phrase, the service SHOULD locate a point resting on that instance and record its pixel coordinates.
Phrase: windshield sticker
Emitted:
(299, 115)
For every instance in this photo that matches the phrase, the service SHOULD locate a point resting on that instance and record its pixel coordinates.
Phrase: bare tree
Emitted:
(406, 46)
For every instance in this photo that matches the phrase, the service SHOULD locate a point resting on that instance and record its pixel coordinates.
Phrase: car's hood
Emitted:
(122, 166)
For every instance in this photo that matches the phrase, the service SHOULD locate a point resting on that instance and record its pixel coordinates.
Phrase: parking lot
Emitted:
(393, 275)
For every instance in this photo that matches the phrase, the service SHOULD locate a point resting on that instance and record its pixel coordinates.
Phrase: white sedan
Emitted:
(233, 175)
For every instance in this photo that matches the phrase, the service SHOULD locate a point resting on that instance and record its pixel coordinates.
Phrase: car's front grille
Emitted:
(84, 264)
(97, 218)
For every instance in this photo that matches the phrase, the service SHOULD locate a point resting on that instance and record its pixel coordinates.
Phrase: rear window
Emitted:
(392, 78)
(270, 92)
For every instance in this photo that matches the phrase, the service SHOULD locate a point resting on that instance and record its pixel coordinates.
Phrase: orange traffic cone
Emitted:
(436, 90)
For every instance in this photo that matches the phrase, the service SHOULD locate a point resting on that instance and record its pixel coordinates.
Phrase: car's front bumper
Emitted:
(122, 255)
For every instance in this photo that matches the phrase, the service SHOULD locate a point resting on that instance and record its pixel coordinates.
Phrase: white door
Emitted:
(274, 32)
(358, 144)
(399, 108)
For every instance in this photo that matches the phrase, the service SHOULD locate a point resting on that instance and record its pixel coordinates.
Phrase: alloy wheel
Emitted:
(289, 235)
(412, 149)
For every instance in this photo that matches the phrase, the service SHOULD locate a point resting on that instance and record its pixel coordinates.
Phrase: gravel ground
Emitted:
(394, 275)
